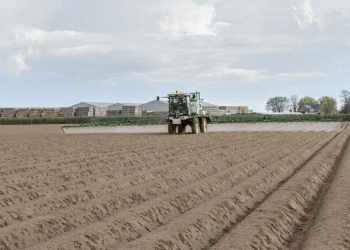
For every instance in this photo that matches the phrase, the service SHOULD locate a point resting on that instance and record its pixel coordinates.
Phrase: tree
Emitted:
(329, 105)
(345, 99)
(277, 104)
(307, 100)
(294, 102)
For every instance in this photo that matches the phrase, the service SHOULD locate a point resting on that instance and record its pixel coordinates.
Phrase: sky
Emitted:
(56, 53)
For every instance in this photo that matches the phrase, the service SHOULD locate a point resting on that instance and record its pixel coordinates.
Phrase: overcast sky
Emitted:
(235, 52)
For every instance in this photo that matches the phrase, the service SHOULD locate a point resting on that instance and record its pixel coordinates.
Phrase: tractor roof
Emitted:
(179, 94)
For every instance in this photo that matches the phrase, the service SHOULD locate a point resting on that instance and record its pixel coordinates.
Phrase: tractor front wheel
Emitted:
(171, 128)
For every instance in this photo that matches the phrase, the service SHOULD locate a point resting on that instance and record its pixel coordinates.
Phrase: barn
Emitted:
(92, 104)
(156, 106)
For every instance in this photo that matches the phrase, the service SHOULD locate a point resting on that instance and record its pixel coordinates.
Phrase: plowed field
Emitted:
(232, 190)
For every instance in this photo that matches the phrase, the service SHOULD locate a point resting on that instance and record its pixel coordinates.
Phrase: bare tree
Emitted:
(277, 104)
(345, 99)
(294, 102)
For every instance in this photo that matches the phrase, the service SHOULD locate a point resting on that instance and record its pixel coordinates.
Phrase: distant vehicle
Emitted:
(185, 109)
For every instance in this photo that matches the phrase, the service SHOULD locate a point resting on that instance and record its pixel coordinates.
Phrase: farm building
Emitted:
(311, 109)
(211, 109)
(107, 109)
(125, 109)
(92, 108)
(108, 105)
(92, 104)
(207, 104)
(119, 106)
(235, 109)
(156, 106)
(223, 110)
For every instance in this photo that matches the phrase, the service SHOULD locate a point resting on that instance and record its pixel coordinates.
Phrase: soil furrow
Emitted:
(131, 224)
(16, 214)
(273, 224)
(332, 225)
(15, 192)
(198, 230)
(98, 212)
(258, 189)
(105, 154)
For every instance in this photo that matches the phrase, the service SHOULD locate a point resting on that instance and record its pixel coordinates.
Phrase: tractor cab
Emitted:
(179, 105)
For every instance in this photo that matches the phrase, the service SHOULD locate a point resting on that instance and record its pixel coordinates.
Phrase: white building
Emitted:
(92, 104)
(156, 106)
(108, 105)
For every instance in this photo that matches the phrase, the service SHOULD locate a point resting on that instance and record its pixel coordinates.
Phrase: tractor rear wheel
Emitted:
(171, 128)
(204, 125)
(195, 128)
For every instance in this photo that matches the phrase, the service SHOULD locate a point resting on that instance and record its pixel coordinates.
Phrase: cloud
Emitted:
(204, 77)
(302, 17)
(222, 24)
(269, 17)
(108, 82)
(82, 50)
(187, 17)
(222, 28)
(337, 23)
(161, 43)
(259, 75)
(37, 44)
(53, 75)
(290, 17)
(16, 64)
(31, 13)
(301, 75)
(246, 75)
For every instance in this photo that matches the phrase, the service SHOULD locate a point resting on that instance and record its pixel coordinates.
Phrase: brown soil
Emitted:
(234, 190)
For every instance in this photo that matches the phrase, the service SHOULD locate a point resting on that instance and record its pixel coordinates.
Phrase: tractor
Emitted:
(185, 109)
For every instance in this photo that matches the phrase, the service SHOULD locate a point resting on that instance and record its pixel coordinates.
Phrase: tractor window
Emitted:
(179, 105)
